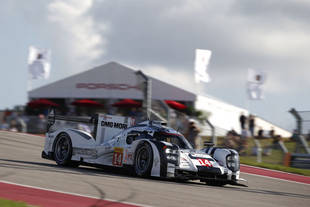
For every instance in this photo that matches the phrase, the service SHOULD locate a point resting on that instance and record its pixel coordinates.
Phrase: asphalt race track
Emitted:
(21, 162)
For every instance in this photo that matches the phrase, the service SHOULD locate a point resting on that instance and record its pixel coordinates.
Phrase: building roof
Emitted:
(109, 81)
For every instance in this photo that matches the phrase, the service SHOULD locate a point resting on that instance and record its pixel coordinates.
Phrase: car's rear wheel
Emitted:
(143, 160)
(63, 150)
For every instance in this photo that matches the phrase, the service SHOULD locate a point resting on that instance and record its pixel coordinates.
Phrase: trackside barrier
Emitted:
(283, 147)
(167, 109)
(299, 123)
(158, 115)
(145, 84)
(287, 159)
(297, 160)
(214, 139)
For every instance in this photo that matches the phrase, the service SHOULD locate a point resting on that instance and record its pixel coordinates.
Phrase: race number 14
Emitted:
(118, 156)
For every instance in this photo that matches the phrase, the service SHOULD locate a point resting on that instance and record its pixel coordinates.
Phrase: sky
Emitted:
(159, 37)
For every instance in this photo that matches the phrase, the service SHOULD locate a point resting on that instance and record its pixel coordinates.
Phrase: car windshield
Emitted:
(176, 139)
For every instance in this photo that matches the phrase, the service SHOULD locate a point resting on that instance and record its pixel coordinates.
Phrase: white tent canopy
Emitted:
(225, 116)
(109, 81)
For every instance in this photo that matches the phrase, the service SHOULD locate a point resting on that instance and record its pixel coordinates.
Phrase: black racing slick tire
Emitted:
(63, 150)
(143, 161)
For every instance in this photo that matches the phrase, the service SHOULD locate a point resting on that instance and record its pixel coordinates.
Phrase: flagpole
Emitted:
(29, 83)
(196, 84)
(29, 75)
(247, 99)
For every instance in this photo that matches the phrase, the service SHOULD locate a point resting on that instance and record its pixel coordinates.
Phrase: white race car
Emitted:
(148, 148)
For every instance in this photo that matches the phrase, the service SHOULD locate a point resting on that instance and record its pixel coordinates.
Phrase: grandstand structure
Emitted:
(112, 82)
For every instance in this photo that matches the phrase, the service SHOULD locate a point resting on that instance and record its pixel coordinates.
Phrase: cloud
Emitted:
(160, 37)
(83, 37)
(240, 34)
(276, 10)
(183, 80)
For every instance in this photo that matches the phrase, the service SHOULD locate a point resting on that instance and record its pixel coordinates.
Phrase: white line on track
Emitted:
(75, 194)
(264, 176)
(273, 170)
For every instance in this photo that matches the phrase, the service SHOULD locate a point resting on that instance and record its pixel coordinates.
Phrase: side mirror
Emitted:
(131, 137)
(129, 140)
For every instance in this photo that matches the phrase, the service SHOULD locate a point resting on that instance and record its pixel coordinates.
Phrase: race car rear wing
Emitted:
(104, 126)
(52, 118)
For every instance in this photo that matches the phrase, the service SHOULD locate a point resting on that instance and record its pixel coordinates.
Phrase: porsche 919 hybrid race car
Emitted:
(149, 148)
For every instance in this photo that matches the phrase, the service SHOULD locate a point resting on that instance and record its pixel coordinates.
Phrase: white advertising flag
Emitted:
(202, 60)
(39, 63)
(256, 76)
(256, 79)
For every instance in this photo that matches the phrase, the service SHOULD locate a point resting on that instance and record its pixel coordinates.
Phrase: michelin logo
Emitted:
(113, 125)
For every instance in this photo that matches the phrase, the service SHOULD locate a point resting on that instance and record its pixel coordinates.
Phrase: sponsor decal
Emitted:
(199, 155)
(132, 122)
(108, 86)
(83, 151)
(114, 124)
(205, 162)
(118, 156)
(128, 156)
(184, 162)
(105, 116)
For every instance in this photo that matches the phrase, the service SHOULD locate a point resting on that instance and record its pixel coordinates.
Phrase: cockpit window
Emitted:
(176, 139)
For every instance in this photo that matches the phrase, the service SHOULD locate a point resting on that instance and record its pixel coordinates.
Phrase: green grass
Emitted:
(273, 161)
(8, 203)
(247, 161)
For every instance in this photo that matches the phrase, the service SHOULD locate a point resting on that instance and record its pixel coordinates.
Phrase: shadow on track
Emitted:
(116, 173)
(26, 165)
(20, 142)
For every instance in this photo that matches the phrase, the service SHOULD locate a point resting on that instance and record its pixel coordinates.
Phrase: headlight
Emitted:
(172, 154)
(173, 158)
(170, 151)
(233, 162)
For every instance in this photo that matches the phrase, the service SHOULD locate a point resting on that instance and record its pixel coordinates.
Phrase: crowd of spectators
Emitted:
(13, 121)
(18, 121)
(239, 142)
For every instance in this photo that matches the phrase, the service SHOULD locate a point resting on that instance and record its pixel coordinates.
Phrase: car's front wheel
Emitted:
(143, 160)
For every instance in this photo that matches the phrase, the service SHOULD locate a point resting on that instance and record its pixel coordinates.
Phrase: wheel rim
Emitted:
(142, 160)
(62, 149)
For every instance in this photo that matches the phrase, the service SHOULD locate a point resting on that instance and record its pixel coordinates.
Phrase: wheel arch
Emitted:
(67, 161)
(159, 166)
(140, 145)
(57, 137)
